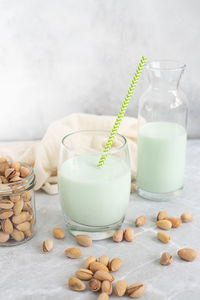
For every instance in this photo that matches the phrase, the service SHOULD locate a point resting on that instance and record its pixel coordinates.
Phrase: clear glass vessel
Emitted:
(17, 204)
(162, 122)
(94, 200)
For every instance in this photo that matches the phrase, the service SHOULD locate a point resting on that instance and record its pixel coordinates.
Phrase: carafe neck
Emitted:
(164, 75)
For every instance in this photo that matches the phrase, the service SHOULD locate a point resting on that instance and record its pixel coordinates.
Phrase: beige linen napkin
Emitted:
(43, 155)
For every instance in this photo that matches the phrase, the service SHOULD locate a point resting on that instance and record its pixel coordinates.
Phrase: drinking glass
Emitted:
(94, 200)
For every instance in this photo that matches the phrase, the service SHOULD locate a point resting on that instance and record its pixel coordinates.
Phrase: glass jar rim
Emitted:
(106, 132)
(165, 65)
(16, 187)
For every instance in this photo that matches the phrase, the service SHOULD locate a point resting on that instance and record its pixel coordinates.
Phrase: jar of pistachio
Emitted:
(17, 203)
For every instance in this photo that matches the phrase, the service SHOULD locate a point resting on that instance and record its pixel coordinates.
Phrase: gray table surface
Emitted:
(27, 273)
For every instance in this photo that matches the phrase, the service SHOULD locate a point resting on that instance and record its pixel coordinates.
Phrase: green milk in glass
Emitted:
(161, 157)
(94, 200)
(162, 121)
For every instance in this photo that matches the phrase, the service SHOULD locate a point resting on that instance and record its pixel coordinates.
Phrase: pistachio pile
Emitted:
(97, 272)
(16, 212)
(12, 171)
(99, 277)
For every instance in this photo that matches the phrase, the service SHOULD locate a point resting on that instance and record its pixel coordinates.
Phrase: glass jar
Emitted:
(94, 200)
(17, 203)
(162, 122)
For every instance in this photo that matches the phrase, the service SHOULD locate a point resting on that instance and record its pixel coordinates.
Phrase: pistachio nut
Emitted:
(136, 290)
(89, 260)
(84, 240)
(16, 165)
(4, 237)
(129, 235)
(57, 232)
(163, 237)
(166, 259)
(73, 252)
(115, 264)
(97, 266)
(187, 254)
(10, 173)
(104, 259)
(24, 172)
(6, 204)
(18, 206)
(47, 246)
(5, 213)
(7, 226)
(164, 224)
(103, 275)
(186, 217)
(120, 288)
(24, 226)
(106, 287)
(94, 285)
(162, 215)
(118, 236)
(103, 296)
(175, 222)
(76, 284)
(140, 221)
(84, 274)
(17, 235)
(24, 216)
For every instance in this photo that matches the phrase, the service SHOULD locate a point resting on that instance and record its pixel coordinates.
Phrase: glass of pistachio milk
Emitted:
(94, 200)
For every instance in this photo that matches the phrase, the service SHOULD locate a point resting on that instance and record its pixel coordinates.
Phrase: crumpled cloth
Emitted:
(43, 155)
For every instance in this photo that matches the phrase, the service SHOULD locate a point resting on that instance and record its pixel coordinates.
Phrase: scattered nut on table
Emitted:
(76, 284)
(186, 217)
(84, 274)
(140, 221)
(120, 288)
(118, 236)
(129, 234)
(47, 246)
(94, 285)
(166, 259)
(103, 296)
(106, 287)
(162, 215)
(115, 264)
(187, 254)
(84, 240)
(136, 290)
(104, 259)
(58, 233)
(175, 222)
(164, 224)
(73, 252)
(89, 260)
(163, 237)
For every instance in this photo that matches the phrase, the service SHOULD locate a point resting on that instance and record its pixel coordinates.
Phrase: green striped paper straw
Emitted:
(122, 111)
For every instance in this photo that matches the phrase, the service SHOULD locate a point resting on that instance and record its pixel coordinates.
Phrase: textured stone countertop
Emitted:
(27, 273)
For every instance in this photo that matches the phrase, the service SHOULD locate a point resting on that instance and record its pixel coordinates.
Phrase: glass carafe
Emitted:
(162, 122)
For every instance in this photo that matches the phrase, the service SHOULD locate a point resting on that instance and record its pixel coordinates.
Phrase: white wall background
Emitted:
(63, 56)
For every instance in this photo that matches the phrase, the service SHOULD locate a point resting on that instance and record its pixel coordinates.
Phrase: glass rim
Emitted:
(112, 151)
(170, 65)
